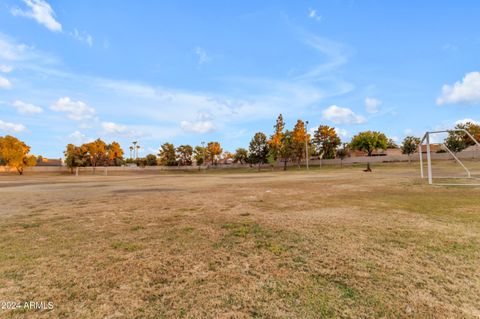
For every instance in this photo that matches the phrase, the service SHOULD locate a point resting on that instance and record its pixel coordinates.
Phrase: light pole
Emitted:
(306, 143)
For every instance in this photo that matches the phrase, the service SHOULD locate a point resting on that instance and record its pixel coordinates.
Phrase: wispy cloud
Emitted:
(372, 105)
(82, 37)
(11, 127)
(202, 55)
(6, 68)
(26, 108)
(312, 14)
(41, 12)
(5, 83)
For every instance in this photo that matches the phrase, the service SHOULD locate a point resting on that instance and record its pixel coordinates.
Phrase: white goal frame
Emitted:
(426, 138)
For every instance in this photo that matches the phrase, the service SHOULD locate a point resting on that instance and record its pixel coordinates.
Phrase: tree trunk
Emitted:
(284, 165)
(20, 170)
(368, 168)
(259, 163)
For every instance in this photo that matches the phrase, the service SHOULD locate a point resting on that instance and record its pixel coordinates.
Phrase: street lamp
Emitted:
(306, 143)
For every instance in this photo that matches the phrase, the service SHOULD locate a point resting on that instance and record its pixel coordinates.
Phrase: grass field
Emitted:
(228, 244)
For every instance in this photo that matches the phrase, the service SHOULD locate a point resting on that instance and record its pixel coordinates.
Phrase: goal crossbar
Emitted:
(426, 139)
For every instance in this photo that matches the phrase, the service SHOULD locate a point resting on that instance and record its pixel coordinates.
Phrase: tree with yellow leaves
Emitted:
(114, 154)
(96, 152)
(213, 151)
(326, 141)
(14, 153)
(300, 138)
(275, 142)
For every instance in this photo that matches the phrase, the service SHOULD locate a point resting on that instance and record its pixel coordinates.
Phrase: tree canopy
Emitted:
(14, 153)
(326, 141)
(258, 149)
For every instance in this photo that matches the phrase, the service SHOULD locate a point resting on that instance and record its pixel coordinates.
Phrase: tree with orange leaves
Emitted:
(275, 142)
(213, 151)
(326, 141)
(114, 154)
(14, 153)
(300, 137)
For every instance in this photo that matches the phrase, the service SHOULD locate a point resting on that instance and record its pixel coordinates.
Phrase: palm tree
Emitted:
(131, 149)
(138, 147)
(134, 146)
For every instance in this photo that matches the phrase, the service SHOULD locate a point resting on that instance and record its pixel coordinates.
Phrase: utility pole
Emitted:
(306, 143)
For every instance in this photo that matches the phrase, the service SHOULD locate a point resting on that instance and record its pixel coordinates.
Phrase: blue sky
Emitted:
(192, 71)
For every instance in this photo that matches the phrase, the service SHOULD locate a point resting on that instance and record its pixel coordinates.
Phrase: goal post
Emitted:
(426, 139)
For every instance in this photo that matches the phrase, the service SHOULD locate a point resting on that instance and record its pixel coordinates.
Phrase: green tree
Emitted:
(391, 144)
(167, 155)
(14, 153)
(409, 146)
(473, 129)
(75, 157)
(456, 141)
(342, 153)
(286, 151)
(151, 160)
(258, 149)
(326, 141)
(185, 153)
(368, 142)
(240, 156)
(199, 154)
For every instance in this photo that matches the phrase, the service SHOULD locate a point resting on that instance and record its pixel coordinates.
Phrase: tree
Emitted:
(14, 153)
(286, 151)
(258, 149)
(456, 141)
(410, 145)
(342, 153)
(114, 154)
(96, 152)
(240, 156)
(167, 155)
(151, 160)
(75, 157)
(368, 142)
(391, 144)
(199, 154)
(299, 140)
(185, 153)
(275, 141)
(473, 129)
(326, 141)
(213, 151)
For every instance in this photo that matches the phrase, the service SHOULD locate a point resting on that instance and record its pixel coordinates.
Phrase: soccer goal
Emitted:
(467, 174)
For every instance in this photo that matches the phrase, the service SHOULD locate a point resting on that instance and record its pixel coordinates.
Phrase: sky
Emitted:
(191, 71)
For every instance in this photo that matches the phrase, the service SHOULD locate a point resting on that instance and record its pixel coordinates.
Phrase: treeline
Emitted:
(283, 146)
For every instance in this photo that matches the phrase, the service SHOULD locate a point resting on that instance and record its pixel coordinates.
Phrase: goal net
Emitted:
(440, 170)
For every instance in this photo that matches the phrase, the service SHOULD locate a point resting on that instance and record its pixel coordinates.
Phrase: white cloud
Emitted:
(5, 83)
(372, 105)
(466, 91)
(465, 121)
(5, 68)
(11, 127)
(342, 115)
(312, 14)
(203, 124)
(202, 55)
(40, 11)
(26, 108)
(82, 37)
(77, 111)
(79, 138)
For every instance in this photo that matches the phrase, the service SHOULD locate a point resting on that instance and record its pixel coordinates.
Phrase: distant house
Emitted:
(42, 161)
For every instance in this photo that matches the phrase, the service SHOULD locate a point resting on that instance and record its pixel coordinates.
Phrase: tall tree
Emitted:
(258, 149)
(114, 154)
(167, 155)
(240, 156)
(213, 151)
(409, 146)
(368, 142)
(326, 141)
(286, 151)
(14, 153)
(275, 141)
(300, 139)
(96, 152)
(185, 153)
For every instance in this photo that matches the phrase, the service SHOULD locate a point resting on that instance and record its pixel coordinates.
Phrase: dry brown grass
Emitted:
(330, 243)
